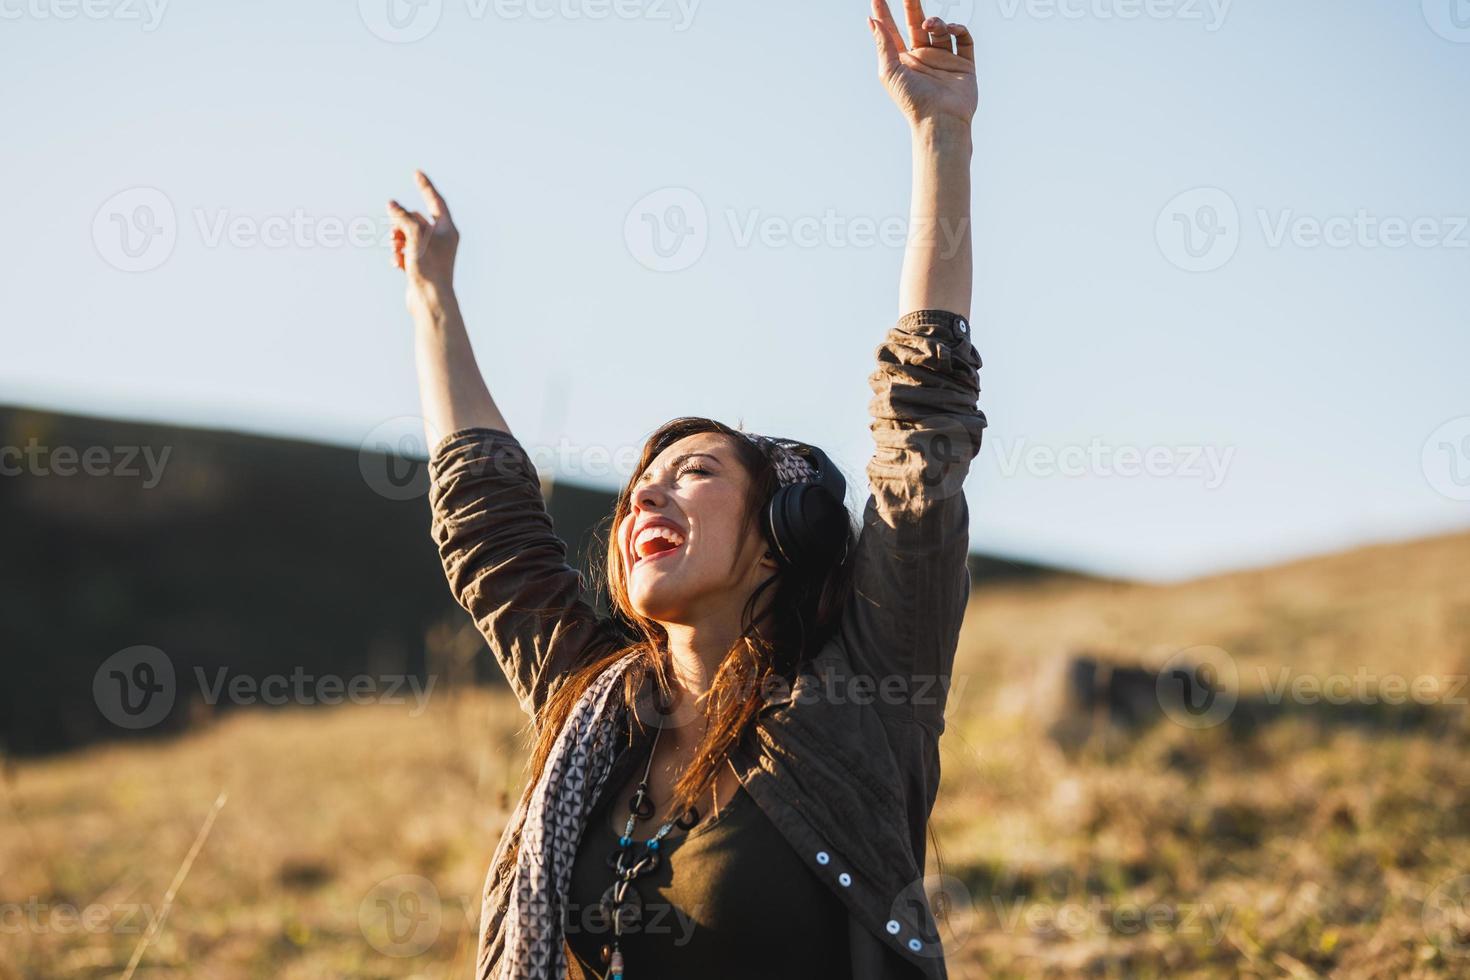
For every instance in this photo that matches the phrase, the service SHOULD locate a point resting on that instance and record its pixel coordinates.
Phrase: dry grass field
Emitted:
(1319, 839)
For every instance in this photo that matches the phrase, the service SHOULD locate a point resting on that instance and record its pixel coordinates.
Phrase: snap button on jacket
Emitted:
(846, 762)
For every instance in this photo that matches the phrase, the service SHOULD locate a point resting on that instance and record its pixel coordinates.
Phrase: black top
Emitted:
(729, 899)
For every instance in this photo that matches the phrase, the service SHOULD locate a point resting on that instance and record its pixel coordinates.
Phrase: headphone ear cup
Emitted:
(809, 521)
(807, 524)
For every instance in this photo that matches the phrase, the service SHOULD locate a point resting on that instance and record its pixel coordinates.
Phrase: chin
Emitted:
(662, 601)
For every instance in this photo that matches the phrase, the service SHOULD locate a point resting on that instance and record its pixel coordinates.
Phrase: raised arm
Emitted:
(910, 572)
(505, 564)
(451, 388)
(933, 84)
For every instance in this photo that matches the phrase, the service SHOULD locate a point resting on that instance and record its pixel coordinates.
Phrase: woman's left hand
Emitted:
(928, 81)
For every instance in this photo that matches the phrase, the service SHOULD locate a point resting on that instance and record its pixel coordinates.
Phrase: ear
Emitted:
(769, 560)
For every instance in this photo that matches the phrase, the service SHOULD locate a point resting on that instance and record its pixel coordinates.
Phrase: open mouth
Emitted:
(656, 542)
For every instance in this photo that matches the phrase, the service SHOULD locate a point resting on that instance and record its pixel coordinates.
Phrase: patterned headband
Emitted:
(790, 466)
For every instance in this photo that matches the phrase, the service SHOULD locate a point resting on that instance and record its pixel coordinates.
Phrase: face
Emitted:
(686, 555)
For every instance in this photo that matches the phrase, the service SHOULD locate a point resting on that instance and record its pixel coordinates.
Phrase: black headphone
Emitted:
(807, 521)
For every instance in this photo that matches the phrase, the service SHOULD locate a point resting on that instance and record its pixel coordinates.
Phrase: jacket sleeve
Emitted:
(505, 564)
(910, 571)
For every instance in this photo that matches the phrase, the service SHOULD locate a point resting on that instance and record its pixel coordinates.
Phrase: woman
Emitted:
(733, 772)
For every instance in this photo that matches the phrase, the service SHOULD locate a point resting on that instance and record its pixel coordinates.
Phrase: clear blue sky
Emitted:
(1316, 373)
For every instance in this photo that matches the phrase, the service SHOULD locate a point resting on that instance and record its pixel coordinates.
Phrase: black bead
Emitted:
(642, 804)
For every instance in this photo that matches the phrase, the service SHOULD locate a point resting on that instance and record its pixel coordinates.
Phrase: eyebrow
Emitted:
(675, 463)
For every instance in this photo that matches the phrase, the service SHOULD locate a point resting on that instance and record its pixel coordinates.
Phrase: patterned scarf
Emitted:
(554, 814)
(552, 818)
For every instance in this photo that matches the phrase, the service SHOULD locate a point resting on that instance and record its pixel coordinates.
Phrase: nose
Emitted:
(651, 494)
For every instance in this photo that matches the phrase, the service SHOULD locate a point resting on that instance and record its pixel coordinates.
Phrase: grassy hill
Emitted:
(1305, 844)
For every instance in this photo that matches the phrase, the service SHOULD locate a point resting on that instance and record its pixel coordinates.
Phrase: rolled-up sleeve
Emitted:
(911, 573)
(505, 564)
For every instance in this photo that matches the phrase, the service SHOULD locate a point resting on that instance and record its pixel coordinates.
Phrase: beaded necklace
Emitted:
(621, 904)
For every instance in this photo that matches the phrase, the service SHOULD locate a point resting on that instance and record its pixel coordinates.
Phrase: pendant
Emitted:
(622, 914)
(642, 803)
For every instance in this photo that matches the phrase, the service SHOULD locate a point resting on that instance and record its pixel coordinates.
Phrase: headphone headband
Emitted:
(808, 514)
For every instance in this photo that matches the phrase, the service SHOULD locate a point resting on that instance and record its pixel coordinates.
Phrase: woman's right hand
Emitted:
(424, 247)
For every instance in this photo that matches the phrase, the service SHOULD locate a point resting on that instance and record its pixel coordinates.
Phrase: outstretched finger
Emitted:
(411, 222)
(437, 208)
(418, 231)
(914, 12)
(889, 26)
(887, 48)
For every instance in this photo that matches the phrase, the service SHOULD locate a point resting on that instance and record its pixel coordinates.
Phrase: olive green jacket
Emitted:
(846, 762)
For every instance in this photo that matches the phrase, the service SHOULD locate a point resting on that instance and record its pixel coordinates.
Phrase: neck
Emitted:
(696, 652)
